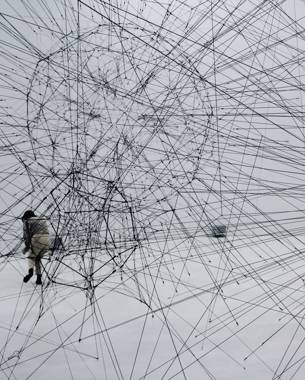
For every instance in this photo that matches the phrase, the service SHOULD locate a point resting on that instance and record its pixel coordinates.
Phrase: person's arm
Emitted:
(26, 237)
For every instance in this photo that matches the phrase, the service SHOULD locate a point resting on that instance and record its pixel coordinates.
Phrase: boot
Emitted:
(28, 276)
(38, 280)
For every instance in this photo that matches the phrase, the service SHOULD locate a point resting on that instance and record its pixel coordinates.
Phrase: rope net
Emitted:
(164, 143)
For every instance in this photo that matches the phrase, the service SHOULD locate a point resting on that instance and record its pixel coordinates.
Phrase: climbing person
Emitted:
(36, 239)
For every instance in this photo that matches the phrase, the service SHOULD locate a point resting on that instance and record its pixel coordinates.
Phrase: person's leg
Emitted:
(38, 270)
(38, 265)
(40, 245)
(31, 261)
(31, 264)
